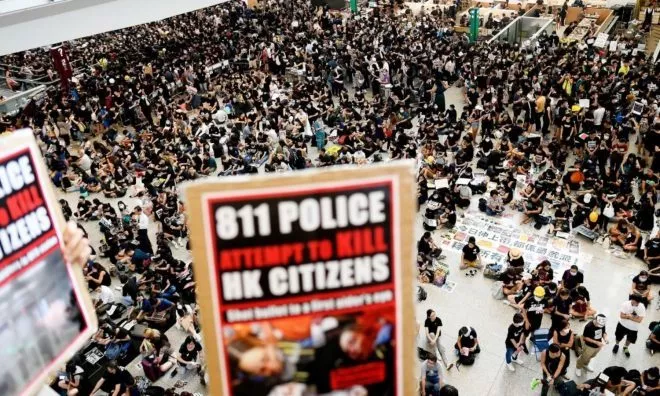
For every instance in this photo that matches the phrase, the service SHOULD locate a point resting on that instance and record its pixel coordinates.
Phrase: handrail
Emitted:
(611, 25)
(504, 29)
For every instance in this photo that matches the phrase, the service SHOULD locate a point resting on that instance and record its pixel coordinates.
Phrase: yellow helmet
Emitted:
(539, 291)
(593, 217)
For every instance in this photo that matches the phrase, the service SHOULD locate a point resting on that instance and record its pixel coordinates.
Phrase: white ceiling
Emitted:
(66, 20)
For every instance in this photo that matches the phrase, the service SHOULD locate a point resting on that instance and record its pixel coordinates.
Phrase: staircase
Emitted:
(652, 39)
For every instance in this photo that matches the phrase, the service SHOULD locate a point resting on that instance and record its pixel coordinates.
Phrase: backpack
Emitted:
(115, 351)
(493, 271)
(151, 370)
(421, 294)
(466, 360)
(482, 163)
(568, 388)
(154, 391)
(483, 204)
(496, 290)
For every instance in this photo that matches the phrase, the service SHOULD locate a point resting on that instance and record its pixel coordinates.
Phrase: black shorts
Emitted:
(621, 332)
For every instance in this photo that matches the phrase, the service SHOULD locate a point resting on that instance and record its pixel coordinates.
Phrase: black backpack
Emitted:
(466, 360)
(421, 294)
(483, 204)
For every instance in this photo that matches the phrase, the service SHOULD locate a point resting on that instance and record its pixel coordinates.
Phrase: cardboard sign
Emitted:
(46, 311)
(304, 280)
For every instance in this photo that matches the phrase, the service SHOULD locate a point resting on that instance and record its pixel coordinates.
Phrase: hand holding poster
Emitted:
(46, 313)
(305, 280)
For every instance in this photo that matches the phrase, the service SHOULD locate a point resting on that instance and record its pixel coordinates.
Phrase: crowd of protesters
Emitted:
(567, 131)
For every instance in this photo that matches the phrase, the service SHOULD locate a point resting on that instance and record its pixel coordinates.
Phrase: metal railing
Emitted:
(15, 103)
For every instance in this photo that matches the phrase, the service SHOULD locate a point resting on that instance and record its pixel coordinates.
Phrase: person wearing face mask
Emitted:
(593, 339)
(631, 315)
(515, 341)
(650, 381)
(533, 310)
(572, 278)
(641, 288)
(563, 336)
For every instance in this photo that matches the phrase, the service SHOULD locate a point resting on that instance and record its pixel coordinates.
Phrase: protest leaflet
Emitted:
(46, 312)
(305, 280)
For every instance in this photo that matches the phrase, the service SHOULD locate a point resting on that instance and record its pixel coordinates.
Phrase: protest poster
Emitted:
(497, 235)
(305, 280)
(46, 311)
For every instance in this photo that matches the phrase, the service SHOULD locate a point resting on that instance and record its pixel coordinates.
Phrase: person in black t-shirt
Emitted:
(533, 309)
(651, 381)
(516, 132)
(572, 278)
(428, 248)
(433, 325)
(515, 341)
(594, 338)
(652, 254)
(448, 218)
(471, 257)
(467, 342)
(561, 308)
(188, 355)
(115, 381)
(516, 260)
(553, 364)
(562, 219)
(641, 287)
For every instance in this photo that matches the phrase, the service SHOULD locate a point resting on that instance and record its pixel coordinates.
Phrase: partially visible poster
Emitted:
(46, 312)
(63, 66)
(305, 280)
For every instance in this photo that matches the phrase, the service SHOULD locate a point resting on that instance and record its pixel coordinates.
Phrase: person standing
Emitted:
(631, 315)
(562, 14)
(533, 310)
(143, 231)
(594, 338)
(433, 325)
(515, 341)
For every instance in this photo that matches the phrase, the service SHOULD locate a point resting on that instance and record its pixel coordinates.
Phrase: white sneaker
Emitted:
(590, 368)
(578, 373)
(510, 367)
(518, 361)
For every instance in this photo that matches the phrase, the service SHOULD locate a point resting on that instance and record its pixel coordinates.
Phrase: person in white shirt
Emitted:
(599, 113)
(85, 163)
(631, 315)
(143, 231)
(103, 295)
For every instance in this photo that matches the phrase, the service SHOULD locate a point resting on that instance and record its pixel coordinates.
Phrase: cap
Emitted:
(514, 253)
(587, 197)
(526, 276)
(539, 291)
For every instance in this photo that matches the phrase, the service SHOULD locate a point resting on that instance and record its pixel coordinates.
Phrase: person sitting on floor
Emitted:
(471, 257)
